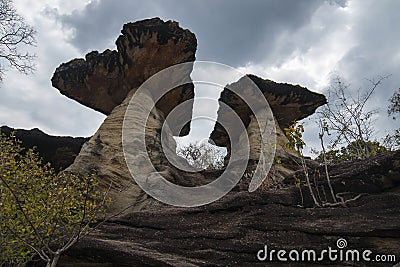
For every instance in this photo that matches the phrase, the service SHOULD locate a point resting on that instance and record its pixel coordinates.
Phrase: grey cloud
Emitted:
(376, 53)
(377, 36)
(232, 32)
(341, 3)
(54, 114)
(31, 101)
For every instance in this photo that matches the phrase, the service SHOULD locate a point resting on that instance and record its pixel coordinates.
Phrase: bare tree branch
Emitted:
(15, 35)
(346, 117)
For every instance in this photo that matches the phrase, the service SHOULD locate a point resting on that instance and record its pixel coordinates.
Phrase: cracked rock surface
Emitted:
(232, 230)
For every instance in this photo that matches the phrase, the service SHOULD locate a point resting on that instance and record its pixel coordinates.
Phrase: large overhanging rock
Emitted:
(288, 103)
(107, 81)
(101, 81)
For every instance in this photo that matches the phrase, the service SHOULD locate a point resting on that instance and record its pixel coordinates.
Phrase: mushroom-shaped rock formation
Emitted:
(288, 103)
(107, 81)
(102, 81)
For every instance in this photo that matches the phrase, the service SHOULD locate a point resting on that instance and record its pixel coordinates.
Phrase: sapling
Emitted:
(295, 136)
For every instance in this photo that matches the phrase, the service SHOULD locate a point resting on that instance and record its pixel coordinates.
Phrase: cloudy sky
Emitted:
(300, 42)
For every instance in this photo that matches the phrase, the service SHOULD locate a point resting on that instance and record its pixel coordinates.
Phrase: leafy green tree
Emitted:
(42, 214)
(394, 107)
(392, 141)
(351, 152)
(294, 134)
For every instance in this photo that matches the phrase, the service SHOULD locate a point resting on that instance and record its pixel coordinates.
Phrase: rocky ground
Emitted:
(232, 230)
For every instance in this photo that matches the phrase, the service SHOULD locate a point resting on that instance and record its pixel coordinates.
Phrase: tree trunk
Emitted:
(54, 260)
(326, 168)
(303, 163)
